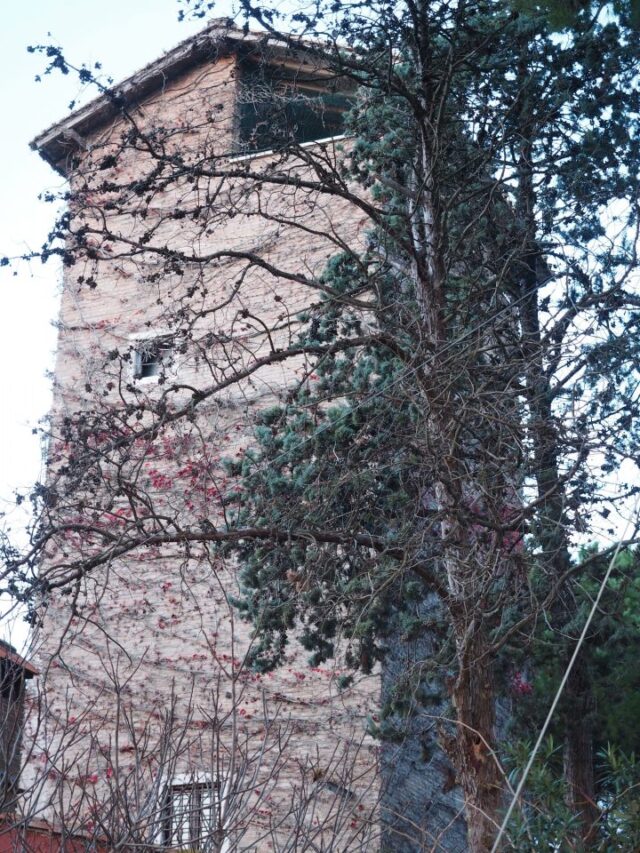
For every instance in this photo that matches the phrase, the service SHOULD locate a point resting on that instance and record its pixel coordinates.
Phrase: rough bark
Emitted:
(578, 753)
(472, 749)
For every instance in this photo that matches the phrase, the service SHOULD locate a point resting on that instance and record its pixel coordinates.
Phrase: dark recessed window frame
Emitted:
(280, 105)
(152, 356)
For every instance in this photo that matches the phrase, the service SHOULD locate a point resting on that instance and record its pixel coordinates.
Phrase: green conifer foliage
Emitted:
(499, 155)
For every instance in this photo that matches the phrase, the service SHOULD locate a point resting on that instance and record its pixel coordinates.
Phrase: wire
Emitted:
(565, 677)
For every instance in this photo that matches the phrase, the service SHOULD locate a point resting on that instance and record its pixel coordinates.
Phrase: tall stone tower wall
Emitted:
(143, 660)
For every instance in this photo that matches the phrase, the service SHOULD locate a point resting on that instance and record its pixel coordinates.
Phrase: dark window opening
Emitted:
(152, 357)
(10, 681)
(188, 816)
(279, 106)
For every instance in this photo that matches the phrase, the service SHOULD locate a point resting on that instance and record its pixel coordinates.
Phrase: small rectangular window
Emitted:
(188, 816)
(152, 357)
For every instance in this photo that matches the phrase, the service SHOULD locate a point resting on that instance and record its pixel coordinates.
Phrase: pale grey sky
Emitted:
(123, 35)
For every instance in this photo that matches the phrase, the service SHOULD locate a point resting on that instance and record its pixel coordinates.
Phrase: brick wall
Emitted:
(142, 662)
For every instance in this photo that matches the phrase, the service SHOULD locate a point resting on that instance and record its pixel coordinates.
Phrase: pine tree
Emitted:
(491, 244)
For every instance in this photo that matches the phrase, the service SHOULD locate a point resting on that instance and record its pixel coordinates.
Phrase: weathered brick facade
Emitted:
(185, 273)
(143, 662)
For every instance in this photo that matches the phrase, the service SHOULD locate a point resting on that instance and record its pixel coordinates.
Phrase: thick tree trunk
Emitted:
(578, 753)
(472, 749)
(578, 735)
